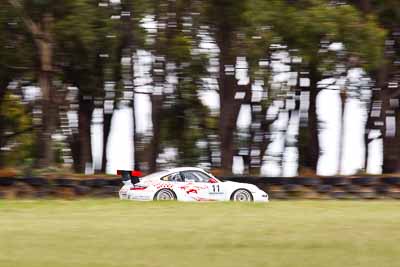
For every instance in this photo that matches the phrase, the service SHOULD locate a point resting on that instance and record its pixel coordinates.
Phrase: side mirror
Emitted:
(212, 181)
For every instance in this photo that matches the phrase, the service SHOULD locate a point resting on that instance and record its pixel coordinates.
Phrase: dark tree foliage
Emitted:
(83, 55)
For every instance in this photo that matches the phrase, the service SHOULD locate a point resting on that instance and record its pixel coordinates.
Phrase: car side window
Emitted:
(188, 176)
(166, 178)
(204, 178)
(177, 177)
(174, 177)
(195, 176)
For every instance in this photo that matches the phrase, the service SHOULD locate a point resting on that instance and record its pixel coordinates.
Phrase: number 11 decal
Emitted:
(215, 188)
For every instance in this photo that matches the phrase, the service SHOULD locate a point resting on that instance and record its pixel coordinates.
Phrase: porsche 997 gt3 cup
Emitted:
(187, 184)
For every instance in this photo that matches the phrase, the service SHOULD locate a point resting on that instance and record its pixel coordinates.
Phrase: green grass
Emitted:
(123, 233)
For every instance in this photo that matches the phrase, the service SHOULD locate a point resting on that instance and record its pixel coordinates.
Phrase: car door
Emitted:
(178, 184)
(216, 190)
(202, 187)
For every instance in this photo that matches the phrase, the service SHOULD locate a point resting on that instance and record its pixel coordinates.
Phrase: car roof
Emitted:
(181, 169)
(158, 175)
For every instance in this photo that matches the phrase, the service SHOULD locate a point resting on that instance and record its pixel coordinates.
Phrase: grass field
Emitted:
(122, 233)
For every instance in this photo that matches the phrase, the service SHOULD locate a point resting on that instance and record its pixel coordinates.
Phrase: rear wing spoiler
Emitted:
(129, 176)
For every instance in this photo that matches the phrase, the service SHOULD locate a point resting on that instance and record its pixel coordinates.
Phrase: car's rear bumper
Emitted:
(133, 195)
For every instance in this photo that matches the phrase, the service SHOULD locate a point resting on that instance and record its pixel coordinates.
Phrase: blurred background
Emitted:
(260, 87)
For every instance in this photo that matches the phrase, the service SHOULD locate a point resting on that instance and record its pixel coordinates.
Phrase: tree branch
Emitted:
(29, 23)
(9, 136)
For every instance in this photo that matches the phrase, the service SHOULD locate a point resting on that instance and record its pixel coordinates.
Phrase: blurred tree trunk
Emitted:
(389, 113)
(73, 142)
(43, 39)
(363, 5)
(372, 123)
(391, 147)
(229, 107)
(159, 79)
(381, 98)
(266, 140)
(313, 150)
(44, 42)
(129, 45)
(377, 108)
(3, 88)
(390, 102)
(309, 142)
(85, 113)
(156, 113)
(107, 116)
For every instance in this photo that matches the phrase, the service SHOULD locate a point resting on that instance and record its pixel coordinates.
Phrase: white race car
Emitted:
(186, 184)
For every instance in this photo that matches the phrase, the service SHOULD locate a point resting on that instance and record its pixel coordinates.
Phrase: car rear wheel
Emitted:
(165, 194)
(242, 195)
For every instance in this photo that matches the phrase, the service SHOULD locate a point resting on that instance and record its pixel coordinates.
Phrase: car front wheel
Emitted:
(165, 194)
(242, 195)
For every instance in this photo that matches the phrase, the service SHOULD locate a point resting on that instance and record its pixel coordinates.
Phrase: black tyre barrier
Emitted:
(339, 194)
(81, 190)
(97, 182)
(391, 180)
(335, 181)
(276, 180)
(368, 195)
(291, 188)
(352, 189)
(25, 191)
(306, 181)
(87, 183)
(381, 189)
(278, 195)
(395, 195)
(7, 181)
(106, 191)
(365, 181)
(114, 182)
(361, 187)
(242, 179)
(324, 188)
(64, 182)
(35, 181)
(43, 193)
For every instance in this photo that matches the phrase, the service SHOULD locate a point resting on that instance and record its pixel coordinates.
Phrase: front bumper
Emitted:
(260, 196)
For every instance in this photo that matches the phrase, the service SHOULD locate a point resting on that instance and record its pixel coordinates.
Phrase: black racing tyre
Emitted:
(242, 195)
(165, 194)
